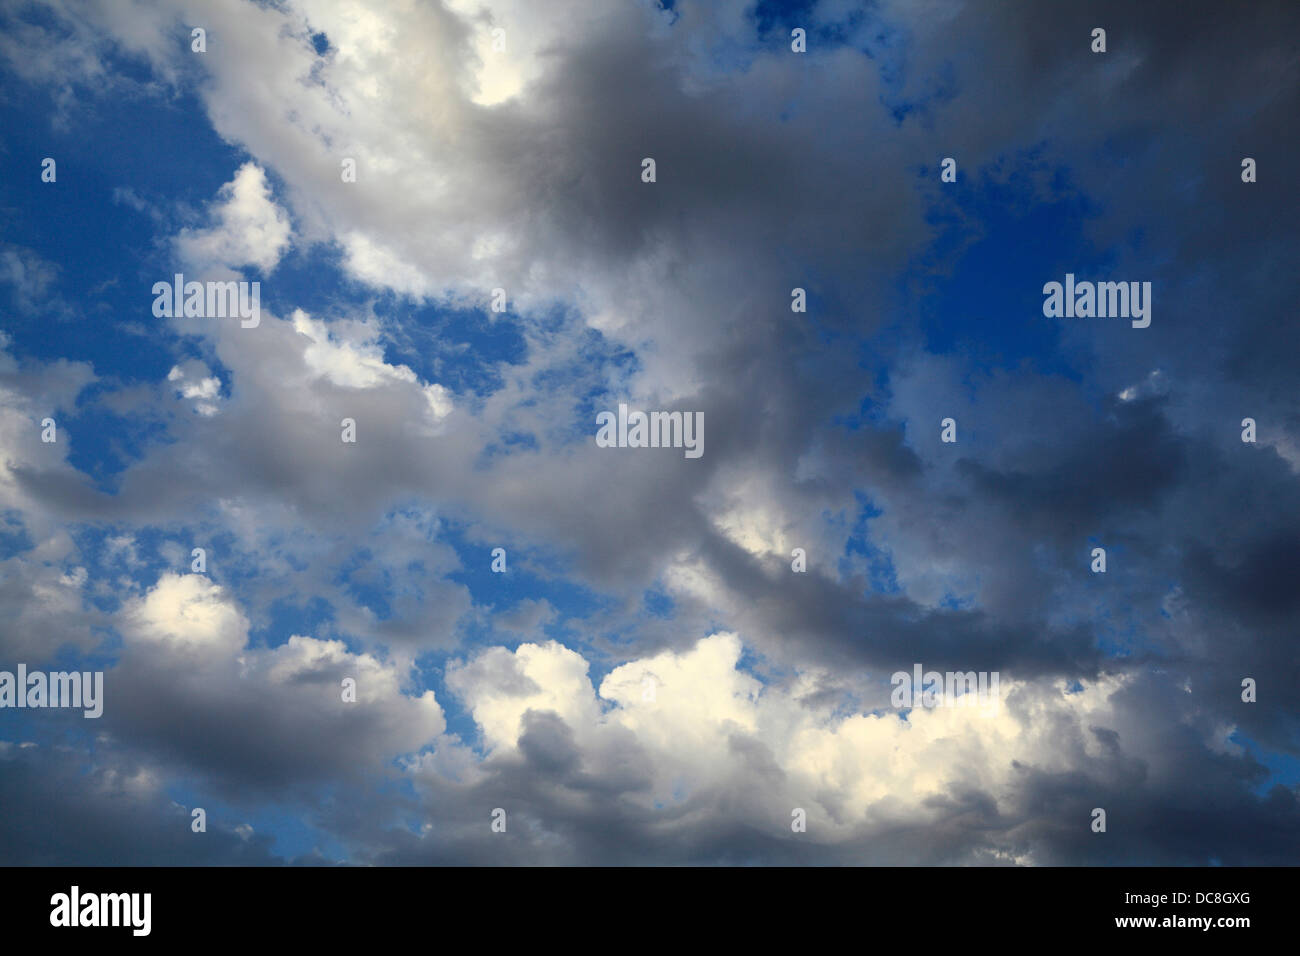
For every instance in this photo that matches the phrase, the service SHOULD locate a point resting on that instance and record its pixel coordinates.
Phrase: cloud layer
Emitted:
(651, 680)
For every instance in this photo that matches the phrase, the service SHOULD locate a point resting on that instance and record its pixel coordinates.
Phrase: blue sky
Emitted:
(520, 169)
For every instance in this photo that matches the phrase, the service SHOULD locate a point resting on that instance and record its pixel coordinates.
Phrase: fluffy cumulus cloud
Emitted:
(674, 660)
(247, 229)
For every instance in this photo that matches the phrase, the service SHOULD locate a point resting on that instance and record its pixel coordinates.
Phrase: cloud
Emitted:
(712, 764)
(248, 228)
(519, 169)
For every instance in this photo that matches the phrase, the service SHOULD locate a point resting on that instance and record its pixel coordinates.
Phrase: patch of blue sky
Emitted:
(1284, 768)
(110, 551)
(96, 228)
(830, 28)
(1116, 639)
(882, 575)
(587, 379)
(14, 538)
(106, 250)
(431, 675)
(461, 349)
(658, 603)
(103, 444)
(531, 574)
(775, 19)
(308, 615)
(506, 444)
(290, 834)
(368, 582)
(310, 277)
(970, 290)
(52, 726)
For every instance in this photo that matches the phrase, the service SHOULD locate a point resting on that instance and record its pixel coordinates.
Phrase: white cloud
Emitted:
(248, 228)
(185, 612)
(709, 728)
(193, 381)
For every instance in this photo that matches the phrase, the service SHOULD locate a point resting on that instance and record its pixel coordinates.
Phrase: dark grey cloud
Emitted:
(58, 812)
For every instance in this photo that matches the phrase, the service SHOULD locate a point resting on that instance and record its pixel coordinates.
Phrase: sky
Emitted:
(672, 659)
